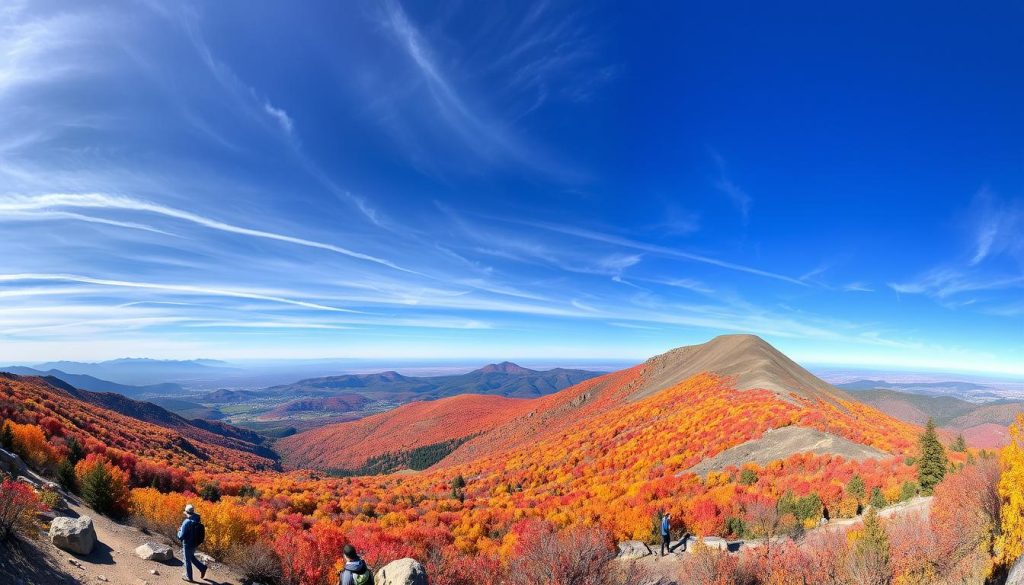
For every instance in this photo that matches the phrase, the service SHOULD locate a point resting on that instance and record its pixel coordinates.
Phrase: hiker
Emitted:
(665, 533)
(191, 534)
(355, 572)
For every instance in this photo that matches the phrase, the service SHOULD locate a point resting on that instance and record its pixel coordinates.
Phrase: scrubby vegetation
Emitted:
(553, 509)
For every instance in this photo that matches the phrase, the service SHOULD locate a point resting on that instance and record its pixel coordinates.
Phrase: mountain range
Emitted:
(142, 371)
(703, 385)
(94, 384)
(503, 379)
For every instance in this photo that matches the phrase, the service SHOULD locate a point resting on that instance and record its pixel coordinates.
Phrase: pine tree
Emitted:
(855, 487)
(66, 475)
(871, 552)
(7, 437)
(75, 450)
(931, 465)
(98, 488)
(877, 499)
(959, 445)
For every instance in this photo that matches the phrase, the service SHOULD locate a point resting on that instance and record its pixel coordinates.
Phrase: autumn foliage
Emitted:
(545, 494)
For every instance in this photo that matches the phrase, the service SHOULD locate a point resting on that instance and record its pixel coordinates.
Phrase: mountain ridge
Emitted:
(742, 363)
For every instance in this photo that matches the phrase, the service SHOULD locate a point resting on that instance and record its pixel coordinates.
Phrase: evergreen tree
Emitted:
(871, 552)
(459, 482)
(855, 487)
(908, 490)
(931, 465)
(66, 475)
(97, 487)
(877, 499)
(210, 492)
(7, 437)
(809, 508)
(748, 477)
(959, 445)
(75, 450)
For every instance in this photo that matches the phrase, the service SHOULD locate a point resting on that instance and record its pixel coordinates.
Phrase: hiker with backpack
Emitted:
(191, 534)
(355, 572)
(666, 538)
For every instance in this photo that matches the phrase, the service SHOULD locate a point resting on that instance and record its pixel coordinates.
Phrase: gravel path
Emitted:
(112, 560)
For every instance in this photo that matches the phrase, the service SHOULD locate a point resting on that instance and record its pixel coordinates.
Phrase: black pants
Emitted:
(665, 544)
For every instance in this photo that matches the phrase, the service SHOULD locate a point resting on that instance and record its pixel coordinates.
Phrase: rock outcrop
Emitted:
(1016, 576)
(75, 535)
(152, 551)
(633, 549)
(401, 572)
(12, 464)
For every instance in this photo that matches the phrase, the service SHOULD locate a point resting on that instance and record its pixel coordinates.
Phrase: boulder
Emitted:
(11, 463)
(401, 572)
(633, 549)
(75, 535)
(152, 551)
(205, 558)
(1016, 576)
(712, 542)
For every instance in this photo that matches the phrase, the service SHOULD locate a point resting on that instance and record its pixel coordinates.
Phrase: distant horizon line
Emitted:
(567, 362)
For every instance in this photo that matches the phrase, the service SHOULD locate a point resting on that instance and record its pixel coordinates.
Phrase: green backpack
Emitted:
(364, 578)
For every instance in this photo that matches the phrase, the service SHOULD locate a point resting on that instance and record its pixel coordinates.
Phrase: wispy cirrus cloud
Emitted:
(655, 249)
(724, 183)
(172, 288)
(993, 262)
(23, 204)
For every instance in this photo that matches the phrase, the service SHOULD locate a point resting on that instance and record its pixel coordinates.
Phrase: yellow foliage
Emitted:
(1011, 490)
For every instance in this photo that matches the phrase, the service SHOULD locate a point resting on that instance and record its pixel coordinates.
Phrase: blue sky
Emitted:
(512, 180)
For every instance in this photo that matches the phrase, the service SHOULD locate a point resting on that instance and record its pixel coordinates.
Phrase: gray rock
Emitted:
(75, 535)
(152, 551)
(1016, 576)
(633, 549)
(401, 572)
(712, 542)
(11, 463)
(205, 558)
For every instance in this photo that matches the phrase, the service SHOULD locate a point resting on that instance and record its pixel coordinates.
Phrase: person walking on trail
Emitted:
(191, 534)
(355, 572)
(666, 537)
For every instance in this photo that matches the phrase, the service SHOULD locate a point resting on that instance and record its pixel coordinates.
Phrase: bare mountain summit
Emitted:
(752, 361)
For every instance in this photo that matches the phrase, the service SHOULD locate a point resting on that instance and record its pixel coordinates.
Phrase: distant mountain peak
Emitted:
(750, 360)
(505, 368)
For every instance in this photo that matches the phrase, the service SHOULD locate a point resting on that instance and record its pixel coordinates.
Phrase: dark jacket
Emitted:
(356, 567)
(664, 526)
(185, 532)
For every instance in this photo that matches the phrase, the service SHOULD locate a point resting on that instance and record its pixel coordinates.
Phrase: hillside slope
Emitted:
(983, 425)
(171, 439)
(743, 363)
(416, 424)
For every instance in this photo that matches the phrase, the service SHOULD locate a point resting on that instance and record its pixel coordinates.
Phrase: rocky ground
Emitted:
(652, 568)
(112, 560)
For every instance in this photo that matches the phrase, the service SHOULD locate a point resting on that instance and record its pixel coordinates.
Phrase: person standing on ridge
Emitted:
(355, 572)
(665, 533)
(191, 534)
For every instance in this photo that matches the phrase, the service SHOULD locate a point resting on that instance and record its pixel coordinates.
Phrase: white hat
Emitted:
(189, 509)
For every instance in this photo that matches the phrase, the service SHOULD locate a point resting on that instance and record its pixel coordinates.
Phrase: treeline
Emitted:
(416, 459)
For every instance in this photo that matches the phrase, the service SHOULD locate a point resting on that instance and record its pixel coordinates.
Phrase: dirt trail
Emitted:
(112, 561)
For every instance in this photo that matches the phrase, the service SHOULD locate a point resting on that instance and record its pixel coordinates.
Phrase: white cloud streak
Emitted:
(103, 201)
(172, 288)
